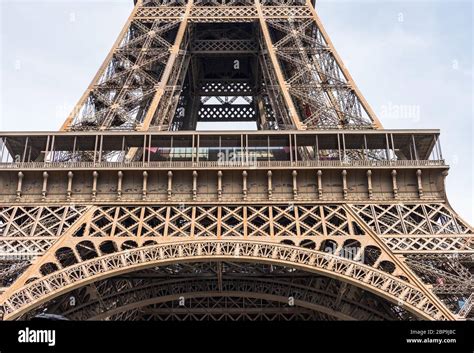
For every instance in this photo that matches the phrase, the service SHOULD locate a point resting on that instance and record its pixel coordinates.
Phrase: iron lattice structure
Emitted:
(129, 213)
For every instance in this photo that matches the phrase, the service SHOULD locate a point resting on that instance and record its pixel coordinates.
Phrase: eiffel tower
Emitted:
(133, 212)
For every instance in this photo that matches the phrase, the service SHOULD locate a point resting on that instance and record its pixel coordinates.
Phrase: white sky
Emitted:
(411, 59)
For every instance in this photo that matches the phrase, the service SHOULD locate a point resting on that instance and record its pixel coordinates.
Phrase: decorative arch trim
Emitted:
(376, 281)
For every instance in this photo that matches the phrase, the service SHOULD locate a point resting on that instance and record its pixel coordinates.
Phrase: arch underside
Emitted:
(221, 290)
(93, 247)
(396, 290)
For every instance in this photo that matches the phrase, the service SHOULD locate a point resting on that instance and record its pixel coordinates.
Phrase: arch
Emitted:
(328, 246)
(108, 247)
(32, 279)
(86, 250)
(66, 257)
(350, 249)
(374, 280)
(48, 268)
(371, 254)
(387, 266)
(287, 242)
(150, 242)
(129, 244)
(313, 298)
(308, 244)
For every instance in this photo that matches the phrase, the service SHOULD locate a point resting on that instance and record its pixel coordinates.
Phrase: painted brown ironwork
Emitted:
(129, 211)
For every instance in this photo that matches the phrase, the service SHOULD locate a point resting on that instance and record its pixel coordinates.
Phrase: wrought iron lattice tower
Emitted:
(130, 212)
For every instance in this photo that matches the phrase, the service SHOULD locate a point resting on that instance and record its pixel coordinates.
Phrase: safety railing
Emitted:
(223, 164)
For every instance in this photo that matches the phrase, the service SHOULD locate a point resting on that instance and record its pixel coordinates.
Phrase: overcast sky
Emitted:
(411, 59)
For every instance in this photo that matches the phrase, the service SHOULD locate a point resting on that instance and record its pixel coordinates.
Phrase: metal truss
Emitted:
(198, 288)
(140, 85)
(94, 266)
(133, 77)
(350, 221)
(332, 229)
(219, 309)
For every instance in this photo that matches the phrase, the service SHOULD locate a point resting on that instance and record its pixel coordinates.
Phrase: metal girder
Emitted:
(18, 301)
(148, 59)
(356, 216)
(313, 293)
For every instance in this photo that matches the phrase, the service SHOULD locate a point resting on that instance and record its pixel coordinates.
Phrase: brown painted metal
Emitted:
(349, 220)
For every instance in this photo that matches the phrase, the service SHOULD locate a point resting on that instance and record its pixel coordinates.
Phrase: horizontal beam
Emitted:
(373, 145)
(216, 165)
(226, 133)
(219, 185)
(223, 13)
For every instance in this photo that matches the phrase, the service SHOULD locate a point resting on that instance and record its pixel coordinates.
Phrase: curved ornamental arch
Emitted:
(319, 300)
(376, 281)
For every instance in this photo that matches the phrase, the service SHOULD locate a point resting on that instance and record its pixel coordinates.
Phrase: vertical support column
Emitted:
(70, 176)
(44, 191)
(219, 185)
(95, 176)
(369, 184)
(119, 185)
(320, 184)
(244, 185)
(344, 183)
(394, 184)
(170, 185)
(295, 184)
(420, 183)
(19, 186)
(195, 176)
(145, 185)
(270, 187)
